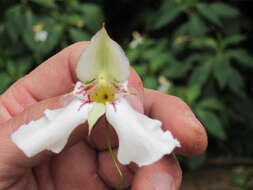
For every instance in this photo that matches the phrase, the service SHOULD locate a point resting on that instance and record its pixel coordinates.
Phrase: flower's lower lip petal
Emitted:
(141, 139)
(52, 131)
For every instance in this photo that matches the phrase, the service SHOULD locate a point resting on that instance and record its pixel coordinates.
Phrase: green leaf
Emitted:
(79, 35)
(236, 82)
(212, 123)
(233, 40)
(224, 10)
(192, 93)
(167, 13)
(45, 3)
(133, 54)
(206, 11)
(2, 63)
(196, 26)
(96, 112)
(54, 34)
(150, 82)
(211, 103)
(200, 74)
(182, 30)
(28, 34)
(14, 22)
(23, 66)
(225, 74)
(92, 16)
(241, 56)
(11, 69)
(5, 81)
(158, 63)
(222, 70)
(201, 43)
(177, 70)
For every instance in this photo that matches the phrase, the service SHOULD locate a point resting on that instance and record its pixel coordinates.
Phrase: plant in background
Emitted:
(243, 180)
(201, 60)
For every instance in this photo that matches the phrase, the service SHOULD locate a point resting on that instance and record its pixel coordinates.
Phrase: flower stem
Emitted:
(115, 162)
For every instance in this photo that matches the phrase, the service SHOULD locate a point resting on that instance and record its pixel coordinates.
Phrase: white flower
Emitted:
(104, 70)
(137, 40)
(164, 84)
(41, 36)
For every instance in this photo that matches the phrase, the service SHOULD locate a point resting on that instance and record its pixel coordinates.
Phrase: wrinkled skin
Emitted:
(85, 163)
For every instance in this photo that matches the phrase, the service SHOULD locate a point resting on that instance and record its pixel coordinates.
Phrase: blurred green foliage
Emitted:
(243, 180)
(189, 48)
(32, 30)
(201, 60)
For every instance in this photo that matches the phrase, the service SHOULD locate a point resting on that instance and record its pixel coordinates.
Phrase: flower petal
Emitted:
(96, 112)
(141, 139)
(52, 131)
(78, 91)
(103, 56)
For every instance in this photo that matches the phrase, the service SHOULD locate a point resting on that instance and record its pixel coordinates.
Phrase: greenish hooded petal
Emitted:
(97, 111)
(103, 58)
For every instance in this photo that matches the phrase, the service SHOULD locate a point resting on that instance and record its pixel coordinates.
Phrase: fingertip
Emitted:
(178, 118)
(163, 175)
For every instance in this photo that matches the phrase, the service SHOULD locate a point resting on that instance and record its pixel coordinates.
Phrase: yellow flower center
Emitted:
(102, 92)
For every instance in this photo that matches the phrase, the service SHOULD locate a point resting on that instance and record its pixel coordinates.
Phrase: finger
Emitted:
(11, 156)
(52, 78)
(163, 175)
(178, 118)
(76, 168)
(108, 172)
(98, 136)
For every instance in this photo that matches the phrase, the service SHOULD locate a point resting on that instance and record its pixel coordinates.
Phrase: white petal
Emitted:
(52, 131)
(141, 139)
(103, 55)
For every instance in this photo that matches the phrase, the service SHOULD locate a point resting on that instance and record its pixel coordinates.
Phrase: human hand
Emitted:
(85, 163)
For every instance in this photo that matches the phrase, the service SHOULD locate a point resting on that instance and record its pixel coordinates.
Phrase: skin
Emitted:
(85, 163)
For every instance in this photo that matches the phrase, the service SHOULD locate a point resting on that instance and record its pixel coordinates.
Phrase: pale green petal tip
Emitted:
(104, 33)
(103, 56)
(97, 111)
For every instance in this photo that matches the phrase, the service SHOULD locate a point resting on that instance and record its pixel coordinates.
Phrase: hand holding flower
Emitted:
(28, 98)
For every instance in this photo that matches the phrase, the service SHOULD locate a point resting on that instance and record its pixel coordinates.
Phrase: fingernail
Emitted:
(162, 181)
